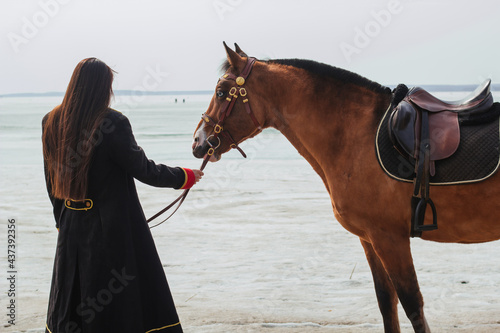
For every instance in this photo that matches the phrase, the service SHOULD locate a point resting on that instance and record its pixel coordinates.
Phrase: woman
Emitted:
(107, 274)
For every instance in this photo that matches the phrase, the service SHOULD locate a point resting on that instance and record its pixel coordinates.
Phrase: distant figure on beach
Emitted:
(107, 273)
(176, 100)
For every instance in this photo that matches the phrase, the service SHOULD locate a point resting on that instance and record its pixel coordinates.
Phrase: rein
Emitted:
(218, 129)
(180, 199)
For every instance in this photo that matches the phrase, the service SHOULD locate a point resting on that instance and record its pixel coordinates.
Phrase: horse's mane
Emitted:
(321, 69)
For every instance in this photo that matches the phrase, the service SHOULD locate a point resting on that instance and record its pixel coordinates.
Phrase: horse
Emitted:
(330, 115)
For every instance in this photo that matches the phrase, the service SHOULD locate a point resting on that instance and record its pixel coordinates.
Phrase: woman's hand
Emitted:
(197, 174)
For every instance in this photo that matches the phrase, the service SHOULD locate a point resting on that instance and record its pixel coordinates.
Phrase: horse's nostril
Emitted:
(196, 139)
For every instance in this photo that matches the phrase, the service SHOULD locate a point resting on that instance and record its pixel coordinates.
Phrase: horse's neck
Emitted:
(327, 123)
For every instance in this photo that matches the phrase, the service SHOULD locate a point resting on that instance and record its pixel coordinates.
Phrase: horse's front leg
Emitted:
(386, 294)
(395, 255)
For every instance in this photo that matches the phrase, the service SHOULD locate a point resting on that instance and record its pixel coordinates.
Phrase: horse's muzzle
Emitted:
(201, 151)
(201, 146)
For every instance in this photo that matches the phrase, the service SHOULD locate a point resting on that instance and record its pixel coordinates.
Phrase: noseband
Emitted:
(236, 90)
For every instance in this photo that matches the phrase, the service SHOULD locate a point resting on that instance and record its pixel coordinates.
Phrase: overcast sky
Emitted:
(177, 44)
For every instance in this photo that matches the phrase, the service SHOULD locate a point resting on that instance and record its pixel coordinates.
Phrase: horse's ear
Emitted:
(239, 50)
(234, 58)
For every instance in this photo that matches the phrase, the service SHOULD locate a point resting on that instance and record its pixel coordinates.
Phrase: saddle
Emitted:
(426, 129)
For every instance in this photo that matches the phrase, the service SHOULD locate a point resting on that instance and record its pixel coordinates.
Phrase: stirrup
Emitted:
(419, 207)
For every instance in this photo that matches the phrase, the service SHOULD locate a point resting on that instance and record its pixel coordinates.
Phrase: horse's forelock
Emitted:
(225, 66)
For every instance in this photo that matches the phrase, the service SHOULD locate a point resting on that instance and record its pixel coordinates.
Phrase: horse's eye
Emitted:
(220, 93)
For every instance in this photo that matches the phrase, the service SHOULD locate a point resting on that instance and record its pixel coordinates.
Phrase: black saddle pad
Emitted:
(477, 157)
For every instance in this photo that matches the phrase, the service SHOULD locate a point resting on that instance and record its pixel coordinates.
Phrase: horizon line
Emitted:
(121, 92)
(129, 92)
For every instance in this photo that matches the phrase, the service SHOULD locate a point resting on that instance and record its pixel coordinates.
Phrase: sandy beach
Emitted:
(253, 250)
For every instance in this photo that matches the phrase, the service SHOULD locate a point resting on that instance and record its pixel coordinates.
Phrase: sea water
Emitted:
(163, 126)
(159, 123)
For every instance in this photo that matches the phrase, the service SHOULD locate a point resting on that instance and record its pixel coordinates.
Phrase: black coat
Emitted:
(107, 274)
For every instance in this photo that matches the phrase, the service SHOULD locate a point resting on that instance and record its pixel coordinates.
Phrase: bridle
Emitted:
(218, 128)
(227, 107)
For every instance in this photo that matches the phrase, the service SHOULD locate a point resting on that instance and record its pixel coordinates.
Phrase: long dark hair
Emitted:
(70, 129)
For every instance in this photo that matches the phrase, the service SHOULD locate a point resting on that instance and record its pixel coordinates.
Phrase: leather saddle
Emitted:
(426, 129)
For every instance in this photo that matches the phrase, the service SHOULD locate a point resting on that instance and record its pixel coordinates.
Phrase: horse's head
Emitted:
(229, 119)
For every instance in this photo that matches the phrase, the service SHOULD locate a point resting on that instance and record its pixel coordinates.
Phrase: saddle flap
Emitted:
(405, 125)
(444, 134)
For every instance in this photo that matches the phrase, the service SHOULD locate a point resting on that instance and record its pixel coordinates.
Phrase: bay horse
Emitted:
(330, 116)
